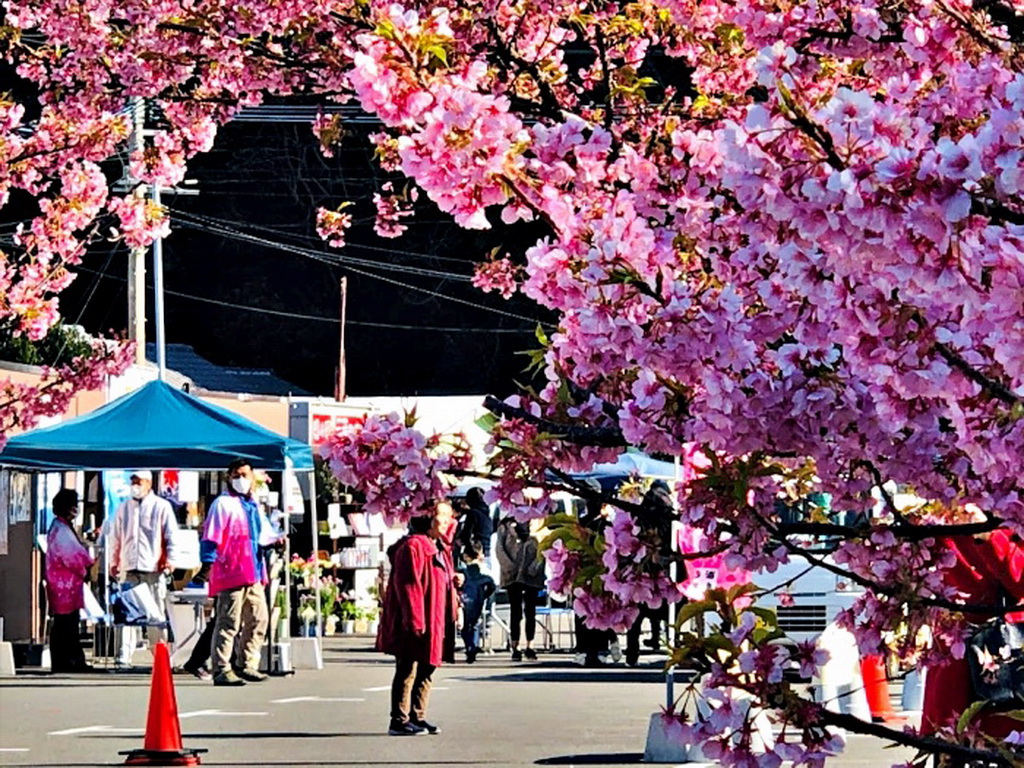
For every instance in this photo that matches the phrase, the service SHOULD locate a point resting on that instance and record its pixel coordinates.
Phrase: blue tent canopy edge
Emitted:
(156, 426)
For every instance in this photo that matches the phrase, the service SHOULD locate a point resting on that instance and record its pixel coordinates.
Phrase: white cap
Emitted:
(143, 474)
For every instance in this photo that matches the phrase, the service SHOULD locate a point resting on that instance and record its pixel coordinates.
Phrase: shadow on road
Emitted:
(580, 675)
(289, 764)
(617, 758)
(243, 736)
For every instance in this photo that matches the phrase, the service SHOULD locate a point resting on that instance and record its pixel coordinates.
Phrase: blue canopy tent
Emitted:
(156, 426)
(627, 465)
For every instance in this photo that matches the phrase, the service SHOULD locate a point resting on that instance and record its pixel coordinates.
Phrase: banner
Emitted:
(706, 573)
(117, 485)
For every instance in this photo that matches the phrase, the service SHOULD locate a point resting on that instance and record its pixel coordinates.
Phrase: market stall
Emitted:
(157, 427)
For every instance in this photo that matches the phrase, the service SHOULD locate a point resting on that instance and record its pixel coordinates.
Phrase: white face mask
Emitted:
(138, 491)
(241, 485)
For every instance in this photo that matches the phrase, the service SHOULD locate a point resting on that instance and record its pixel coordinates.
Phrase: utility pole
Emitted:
(339, 386)
(137, 257)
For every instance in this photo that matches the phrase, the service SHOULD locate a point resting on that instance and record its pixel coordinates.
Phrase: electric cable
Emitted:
(348, 262)
(301, 316)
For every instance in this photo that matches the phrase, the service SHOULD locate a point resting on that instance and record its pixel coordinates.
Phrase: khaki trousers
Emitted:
(241, 612)
(410, 690)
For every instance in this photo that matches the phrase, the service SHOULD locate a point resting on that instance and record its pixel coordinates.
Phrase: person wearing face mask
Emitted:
(141, 548)
(67, 563)
(237, 576)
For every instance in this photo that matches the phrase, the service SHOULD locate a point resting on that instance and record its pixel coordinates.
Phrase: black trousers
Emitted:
(66, 654)
(410, 690)
(592, 641)
(655, 616)
(202, 650)
(522, 597)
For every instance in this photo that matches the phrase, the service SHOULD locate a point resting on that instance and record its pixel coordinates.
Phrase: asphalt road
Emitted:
(493, 713)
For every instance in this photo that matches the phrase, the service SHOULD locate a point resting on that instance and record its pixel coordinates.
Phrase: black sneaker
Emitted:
(471, 655)
(430, 728)
(530, 654)
(516, 655)
(201, 673)
(405, 729)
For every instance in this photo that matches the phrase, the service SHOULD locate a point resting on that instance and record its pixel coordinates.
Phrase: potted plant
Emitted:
(361, 621)
(347, 612)
(331, 625)
(372, 619)
(307, 615)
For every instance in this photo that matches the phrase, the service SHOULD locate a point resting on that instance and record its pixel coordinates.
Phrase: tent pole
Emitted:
(316, 552)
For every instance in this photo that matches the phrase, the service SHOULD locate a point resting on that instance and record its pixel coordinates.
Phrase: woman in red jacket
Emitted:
(413, 619)
(988, 569)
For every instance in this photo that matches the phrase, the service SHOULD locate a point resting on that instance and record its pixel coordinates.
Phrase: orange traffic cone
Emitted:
(162, 745)
(876, 685)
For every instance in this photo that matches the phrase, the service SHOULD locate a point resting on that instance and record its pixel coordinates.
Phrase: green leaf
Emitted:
(969, 714)
(767, 615)
(692, 610)
(487, 422)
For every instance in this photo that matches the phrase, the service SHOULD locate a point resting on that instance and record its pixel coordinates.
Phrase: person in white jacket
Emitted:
(141, 549)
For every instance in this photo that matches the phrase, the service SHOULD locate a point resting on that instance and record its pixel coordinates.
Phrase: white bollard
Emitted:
(762, 739)
(7, 660)
(661, 746)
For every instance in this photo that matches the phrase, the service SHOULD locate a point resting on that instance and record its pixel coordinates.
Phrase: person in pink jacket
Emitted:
(67, 562)
(231, 543)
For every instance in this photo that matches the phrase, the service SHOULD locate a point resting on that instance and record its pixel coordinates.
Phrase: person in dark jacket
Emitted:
(522, 575)
(477, 589)
(476, 526)
(655, 521)
(414, 617)
(592, 644)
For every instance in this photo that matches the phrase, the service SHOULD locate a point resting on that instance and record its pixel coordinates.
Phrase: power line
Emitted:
(196, 222)
(348, 261)
(313, 318)
(276, 231)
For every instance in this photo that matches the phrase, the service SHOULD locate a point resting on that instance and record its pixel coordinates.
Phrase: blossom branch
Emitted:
(992, 386)
(600, 437)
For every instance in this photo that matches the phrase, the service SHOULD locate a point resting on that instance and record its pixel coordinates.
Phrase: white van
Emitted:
(812, 601)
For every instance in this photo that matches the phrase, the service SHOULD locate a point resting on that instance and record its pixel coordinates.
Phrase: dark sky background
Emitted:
(266, 180)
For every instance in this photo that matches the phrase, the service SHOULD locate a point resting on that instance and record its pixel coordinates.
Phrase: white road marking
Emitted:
(94, 729)
(218, 713)
(13, 749)
(296, 699)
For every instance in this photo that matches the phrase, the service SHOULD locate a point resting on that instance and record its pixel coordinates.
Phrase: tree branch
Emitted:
(993, 387)
(601, 437)
(903, 738)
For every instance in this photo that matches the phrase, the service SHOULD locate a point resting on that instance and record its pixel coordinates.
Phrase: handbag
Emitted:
(995, 653)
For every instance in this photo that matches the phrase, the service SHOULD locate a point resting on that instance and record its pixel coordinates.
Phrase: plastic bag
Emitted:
(135, 604)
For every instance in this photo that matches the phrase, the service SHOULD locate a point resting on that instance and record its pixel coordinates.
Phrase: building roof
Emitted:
(218, 378)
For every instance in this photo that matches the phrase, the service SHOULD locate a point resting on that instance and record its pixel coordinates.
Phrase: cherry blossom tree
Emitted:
(787, 237)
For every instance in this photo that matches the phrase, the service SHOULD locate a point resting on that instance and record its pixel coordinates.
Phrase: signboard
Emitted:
(323, 425)
(315, 422)
(705, 573)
